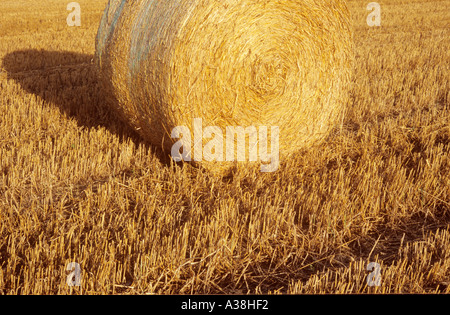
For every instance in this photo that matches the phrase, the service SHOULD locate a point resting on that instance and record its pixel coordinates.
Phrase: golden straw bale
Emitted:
(282, 63)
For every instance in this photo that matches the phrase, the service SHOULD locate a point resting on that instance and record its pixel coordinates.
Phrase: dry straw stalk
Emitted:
(230, 63)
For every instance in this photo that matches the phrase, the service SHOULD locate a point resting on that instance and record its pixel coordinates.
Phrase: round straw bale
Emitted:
(282, 63)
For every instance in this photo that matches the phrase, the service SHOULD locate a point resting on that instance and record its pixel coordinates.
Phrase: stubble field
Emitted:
(76, 185)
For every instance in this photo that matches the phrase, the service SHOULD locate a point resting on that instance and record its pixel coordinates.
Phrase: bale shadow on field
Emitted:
(69, 80)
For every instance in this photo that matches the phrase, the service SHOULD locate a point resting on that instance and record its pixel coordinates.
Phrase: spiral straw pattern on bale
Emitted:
(282, 63)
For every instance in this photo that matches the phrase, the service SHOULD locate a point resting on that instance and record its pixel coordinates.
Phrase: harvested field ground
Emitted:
(77, 186)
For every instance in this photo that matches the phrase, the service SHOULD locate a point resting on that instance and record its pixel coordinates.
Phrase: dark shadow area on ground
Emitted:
(69, 80)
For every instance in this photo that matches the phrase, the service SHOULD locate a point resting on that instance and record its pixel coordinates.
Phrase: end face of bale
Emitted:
(238, 63)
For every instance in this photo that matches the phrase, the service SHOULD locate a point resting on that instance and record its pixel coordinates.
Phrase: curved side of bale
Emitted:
(231, 63)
